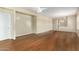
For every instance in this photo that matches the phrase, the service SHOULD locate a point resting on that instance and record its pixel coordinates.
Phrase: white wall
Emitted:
(43, 24)
(23, 24)
(78, 22)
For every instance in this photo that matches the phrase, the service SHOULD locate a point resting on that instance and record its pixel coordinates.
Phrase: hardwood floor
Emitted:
(49, 41)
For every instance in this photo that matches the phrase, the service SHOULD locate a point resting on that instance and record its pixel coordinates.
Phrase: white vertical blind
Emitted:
(4, 25)
(23, 24)
(6, 17)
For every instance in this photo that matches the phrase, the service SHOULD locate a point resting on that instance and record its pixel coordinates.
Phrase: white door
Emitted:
(4, 25)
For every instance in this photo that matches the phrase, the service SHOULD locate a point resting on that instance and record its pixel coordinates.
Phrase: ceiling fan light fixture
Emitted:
(40, 9)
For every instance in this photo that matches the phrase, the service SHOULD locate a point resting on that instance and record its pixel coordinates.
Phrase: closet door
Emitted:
(23, 24)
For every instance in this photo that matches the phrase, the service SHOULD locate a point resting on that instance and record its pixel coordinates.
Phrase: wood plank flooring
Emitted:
(48, 41)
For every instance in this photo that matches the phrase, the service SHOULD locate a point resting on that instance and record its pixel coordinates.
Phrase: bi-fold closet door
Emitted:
(23, 24)
(67, 24)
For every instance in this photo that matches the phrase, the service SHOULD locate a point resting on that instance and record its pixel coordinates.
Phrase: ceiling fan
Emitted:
(40, 9)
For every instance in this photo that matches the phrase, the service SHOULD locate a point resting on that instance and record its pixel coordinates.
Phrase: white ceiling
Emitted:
(53, 11)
